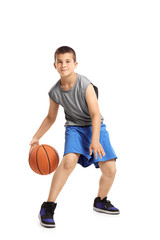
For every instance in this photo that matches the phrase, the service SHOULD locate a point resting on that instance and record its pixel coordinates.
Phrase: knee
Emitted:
(112, 171)
(109, 170)
(69, 162)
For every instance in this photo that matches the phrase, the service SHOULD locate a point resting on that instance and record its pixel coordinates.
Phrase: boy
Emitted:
(86, 138)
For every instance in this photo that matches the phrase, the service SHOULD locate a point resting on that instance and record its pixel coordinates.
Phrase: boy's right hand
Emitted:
(33, 143)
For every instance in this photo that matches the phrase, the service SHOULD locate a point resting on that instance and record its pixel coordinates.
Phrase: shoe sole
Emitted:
(105, 211)
(45, 225)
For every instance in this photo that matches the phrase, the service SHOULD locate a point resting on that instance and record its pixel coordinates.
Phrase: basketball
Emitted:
(43, 159)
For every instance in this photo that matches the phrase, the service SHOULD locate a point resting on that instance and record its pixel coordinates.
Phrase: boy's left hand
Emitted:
(97, 148)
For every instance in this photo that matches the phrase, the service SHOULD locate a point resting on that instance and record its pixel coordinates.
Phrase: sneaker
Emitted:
(104, 206)
(46, 214)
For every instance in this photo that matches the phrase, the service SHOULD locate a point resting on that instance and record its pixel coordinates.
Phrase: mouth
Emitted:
(63, 70)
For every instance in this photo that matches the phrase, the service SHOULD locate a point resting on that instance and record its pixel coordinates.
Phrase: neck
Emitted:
(69, 79)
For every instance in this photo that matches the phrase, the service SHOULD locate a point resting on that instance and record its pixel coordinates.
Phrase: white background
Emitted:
(117, 46)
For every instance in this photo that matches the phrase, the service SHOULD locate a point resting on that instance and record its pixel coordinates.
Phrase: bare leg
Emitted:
(61, 175)
(108, 169)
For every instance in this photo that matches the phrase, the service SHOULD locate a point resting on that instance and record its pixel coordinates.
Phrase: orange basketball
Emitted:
(43, 159)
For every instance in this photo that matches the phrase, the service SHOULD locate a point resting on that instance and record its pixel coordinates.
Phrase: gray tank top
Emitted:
(74, 101)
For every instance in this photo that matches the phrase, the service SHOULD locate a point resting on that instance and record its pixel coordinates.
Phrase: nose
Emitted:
(63, 64)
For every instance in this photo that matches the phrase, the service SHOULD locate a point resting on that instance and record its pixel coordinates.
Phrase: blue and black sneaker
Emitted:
(46, 214)
(104, 206)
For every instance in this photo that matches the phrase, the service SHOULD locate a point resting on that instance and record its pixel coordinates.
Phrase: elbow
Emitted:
(96, 116)
(50, 120)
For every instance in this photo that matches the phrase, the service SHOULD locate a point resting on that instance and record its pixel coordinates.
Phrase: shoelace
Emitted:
(107, 203)
(49, 211)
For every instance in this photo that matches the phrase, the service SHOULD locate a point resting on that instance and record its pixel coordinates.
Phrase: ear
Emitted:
(76, 64)
(54, 65)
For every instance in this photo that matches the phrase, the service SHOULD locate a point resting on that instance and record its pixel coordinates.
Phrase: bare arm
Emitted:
(46, 124)
(96, 121)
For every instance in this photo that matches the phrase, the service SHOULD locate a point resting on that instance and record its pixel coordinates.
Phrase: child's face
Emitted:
(65, 64)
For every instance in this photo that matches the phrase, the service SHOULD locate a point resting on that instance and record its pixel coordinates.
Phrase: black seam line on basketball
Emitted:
(37, 161)
(48, 159)
(54, 151)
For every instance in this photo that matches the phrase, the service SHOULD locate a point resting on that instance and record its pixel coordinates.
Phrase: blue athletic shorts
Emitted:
(78, 140)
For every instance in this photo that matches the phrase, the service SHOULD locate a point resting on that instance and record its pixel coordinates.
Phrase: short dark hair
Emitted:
(65, 49)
